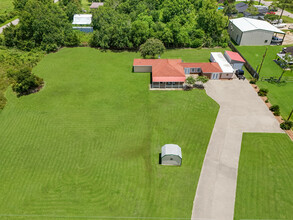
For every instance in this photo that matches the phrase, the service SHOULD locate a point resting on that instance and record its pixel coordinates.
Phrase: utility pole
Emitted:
(263, 58)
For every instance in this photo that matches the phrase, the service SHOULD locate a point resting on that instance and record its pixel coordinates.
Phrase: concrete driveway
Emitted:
(241, 110)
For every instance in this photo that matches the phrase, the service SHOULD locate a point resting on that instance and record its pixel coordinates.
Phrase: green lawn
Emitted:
(287, 19)
(5, 5)
(88, 143)
(86, 5)
(264, 185)
(280, 94)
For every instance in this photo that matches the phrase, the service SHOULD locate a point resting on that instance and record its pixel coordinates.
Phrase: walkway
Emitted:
(241, 110)
(14, 22)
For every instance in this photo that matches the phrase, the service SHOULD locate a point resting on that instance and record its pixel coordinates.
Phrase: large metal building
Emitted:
(248, 31)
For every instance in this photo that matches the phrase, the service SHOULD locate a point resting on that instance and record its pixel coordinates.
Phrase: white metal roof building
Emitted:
(82, 19)
(248, 31)
(171, 155)
(219, 58)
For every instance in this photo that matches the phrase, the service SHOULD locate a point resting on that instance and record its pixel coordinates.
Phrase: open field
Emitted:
(280, 94)
(88, 143)
(6, 5)
(264, 186)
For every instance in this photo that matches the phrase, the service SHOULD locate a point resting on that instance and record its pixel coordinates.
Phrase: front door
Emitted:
(215, 76)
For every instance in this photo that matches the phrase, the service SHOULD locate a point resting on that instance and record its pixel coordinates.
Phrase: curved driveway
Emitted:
(241, 110)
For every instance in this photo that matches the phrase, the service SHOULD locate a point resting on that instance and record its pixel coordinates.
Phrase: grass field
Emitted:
(5, 5)
(280, 94)
(88, 143)
(264, 185)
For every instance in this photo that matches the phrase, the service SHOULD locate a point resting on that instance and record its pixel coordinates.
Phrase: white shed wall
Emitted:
(256, 37)
(142, 69)
(234, 33)
(171, 160)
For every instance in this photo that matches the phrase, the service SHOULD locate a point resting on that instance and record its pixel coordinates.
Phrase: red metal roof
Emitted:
(235, 56)
(172, 70)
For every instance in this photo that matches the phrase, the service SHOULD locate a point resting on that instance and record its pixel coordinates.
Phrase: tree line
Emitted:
(119, 24)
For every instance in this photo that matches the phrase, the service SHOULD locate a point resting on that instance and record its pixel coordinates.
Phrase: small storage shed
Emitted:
(171, 155)
(234, 59)
(227, 70)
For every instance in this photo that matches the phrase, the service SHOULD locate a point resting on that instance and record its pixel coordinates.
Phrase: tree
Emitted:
(285, 64)
(152, 47)
(283, 4)
(24, 81)
(252, 10)
(230, 9)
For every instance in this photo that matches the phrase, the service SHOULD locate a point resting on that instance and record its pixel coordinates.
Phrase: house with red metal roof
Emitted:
(234, 59)
(171, 73)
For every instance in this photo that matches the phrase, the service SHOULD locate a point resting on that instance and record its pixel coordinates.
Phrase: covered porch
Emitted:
(164, 85)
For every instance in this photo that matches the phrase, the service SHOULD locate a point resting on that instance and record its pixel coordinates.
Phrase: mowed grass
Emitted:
(279, 94)
(88, 143)
(264, 185)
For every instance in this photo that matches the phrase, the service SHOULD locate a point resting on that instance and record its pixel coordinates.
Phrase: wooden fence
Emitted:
(247, 65)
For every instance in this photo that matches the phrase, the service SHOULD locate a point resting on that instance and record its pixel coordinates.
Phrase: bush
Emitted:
(24, 81)
(275, 108)
(286, 125)
(263, 92)
(202, 79)
(152, 47)
(253, 81)
(267, 100)
(190, 80)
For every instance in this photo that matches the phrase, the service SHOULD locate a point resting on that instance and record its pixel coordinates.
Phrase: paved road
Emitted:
(15, 22)
(241, 110)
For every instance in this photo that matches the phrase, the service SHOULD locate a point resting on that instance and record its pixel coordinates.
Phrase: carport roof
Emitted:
(249, 24)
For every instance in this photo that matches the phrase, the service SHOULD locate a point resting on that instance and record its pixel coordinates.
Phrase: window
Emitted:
(192, 70)
(266, 41)
(171, 158)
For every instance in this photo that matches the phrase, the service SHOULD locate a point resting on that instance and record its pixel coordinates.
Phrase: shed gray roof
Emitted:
(171, 149)
(249, 24)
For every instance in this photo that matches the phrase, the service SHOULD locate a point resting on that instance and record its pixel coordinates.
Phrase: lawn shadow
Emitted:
(160, 159)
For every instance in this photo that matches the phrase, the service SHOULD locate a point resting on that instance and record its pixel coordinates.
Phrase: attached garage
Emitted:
(234, 59)
(227, 70)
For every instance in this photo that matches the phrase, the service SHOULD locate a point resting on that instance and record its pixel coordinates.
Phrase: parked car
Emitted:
(276, 40)
(240, 74)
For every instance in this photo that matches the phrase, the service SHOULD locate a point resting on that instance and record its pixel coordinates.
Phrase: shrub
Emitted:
(275, 108)
(190, 80)
(253, 81)
(24, 81)
(263, 92)
(286, 125)
(277, 113)
(202, 79)
(267, 100)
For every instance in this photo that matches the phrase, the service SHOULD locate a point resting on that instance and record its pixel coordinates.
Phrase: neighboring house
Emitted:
(171, 155)
(82, 22)
(171, 73)
(235, 60)
(281, 55)
(248, 31)
(96, 5)
(241, 7)
(227, 70)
